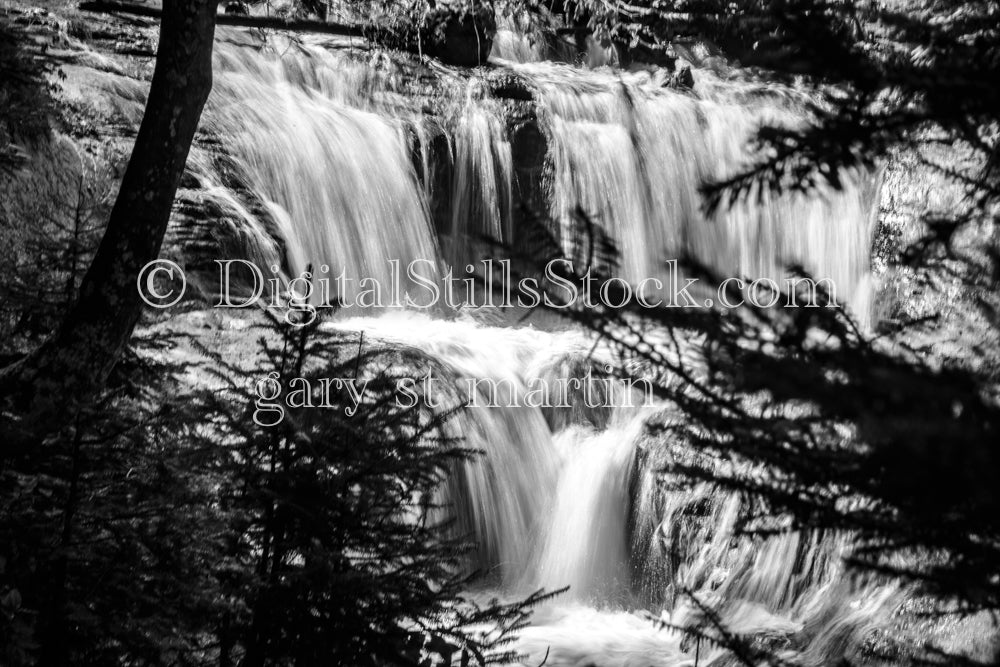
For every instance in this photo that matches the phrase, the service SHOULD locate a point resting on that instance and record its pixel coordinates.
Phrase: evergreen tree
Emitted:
(166, 526)
(819, 423)
(345, 555)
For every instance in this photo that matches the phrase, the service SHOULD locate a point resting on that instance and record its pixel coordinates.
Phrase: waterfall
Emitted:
(517, 39)
(317, 140)
(332, 158)
(591, 498)
(332, 147)
(633, 155)
(500, 499)
(578, 503)
(481, 195)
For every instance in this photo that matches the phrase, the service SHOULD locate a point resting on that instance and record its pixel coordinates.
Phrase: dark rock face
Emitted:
(438, 178)
(433, 157)
(631, 56)
(529, 154)
(459, 36)
(683, 78)
(506, 85)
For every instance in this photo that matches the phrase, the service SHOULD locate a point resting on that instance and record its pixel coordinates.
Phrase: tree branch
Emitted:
(269, 22)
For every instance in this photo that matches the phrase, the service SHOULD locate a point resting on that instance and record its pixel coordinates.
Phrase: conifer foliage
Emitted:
(167, 526)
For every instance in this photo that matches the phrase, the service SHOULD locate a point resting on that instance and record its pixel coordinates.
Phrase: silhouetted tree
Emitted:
(347, 556)
(72, 365)
(166, 526)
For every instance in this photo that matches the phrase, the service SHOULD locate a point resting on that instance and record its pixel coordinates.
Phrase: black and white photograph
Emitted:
(539, 333)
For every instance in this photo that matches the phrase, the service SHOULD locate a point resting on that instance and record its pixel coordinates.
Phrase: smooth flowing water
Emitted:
(337, 151)
(633, 155)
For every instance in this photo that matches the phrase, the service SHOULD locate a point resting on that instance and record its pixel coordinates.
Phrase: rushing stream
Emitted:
(340, 153)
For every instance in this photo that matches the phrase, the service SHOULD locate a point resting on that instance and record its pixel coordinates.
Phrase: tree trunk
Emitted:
(46, 386)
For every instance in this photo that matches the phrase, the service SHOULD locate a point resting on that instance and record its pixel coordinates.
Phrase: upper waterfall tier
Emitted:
(352, 160)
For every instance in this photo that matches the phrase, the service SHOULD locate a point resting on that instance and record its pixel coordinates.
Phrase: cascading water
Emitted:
(319, 142)
(591, 498)
(517, 39)
(633, 154)
(337, 152)
(481, 194)
(577, 502)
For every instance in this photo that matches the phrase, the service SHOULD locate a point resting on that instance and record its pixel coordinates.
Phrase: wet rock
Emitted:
(203, 230)
(437, 179)
(459, 36)
(642, 55)
(683, 78)
(507, 85)
(529, 155)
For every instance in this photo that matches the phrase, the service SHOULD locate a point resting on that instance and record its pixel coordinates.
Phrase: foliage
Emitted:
(166, 526)
(53, 213)
(817, 426)
(824, 426)
(162, 525)
(346, 555)
(26, 99)
(108, 529)
(918, 74)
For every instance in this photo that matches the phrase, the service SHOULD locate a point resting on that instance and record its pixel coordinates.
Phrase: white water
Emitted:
(634, 154)
(576, 502)
(563, 496)
(318, 140)
(324, 142)
(481, 194)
